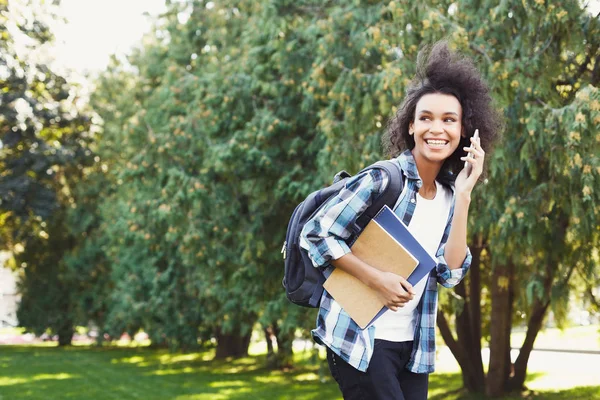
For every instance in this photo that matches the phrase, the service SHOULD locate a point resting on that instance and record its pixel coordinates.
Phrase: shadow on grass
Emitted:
(141, 373)
(29, 372)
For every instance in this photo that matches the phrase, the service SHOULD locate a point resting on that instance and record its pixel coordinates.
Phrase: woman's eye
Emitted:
(450, 120)
(424, 118)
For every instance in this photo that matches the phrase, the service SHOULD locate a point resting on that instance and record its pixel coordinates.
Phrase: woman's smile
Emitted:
(436, 128)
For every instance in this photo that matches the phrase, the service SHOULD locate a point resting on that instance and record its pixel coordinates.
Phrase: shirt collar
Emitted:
(409, 168)
(408, 165)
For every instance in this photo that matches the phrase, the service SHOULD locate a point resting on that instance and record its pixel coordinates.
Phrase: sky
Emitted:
(98, 28)
(95, 29)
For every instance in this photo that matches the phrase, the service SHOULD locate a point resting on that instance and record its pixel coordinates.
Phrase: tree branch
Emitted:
(578, 74)
(482, 52)
(447, 335)
(593, 298)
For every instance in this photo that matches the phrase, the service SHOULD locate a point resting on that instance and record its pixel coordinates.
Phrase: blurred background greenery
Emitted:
(154, 198)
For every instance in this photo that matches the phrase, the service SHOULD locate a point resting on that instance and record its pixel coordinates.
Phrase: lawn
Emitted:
(47, 372)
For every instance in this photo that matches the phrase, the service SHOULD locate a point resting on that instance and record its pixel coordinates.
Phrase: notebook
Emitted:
(385, 244)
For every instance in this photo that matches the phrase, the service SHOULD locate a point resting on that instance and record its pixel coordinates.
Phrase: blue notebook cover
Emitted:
(392, 224)
(389, 221)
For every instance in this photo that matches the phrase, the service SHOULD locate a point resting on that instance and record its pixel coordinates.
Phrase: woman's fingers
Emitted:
(403, 297)
(477, 146)
(397, 303)
(476, 165)
(477, 153)
(396, 291)
(395, 306)
(406, 285)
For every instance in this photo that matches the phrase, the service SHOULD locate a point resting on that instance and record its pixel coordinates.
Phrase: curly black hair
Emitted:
(440, 70)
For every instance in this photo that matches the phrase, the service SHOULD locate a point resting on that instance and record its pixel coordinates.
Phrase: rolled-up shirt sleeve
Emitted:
(451, 277)
(324, 235)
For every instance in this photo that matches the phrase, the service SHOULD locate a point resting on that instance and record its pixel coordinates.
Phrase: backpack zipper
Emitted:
(283, 249)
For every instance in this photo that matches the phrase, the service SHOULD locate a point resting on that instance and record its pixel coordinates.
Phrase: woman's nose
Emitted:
(436, 126)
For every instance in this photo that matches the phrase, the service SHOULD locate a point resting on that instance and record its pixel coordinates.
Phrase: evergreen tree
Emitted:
(227, 120)
(44, 141)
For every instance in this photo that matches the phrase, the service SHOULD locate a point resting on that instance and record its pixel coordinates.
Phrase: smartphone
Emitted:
(469, 155)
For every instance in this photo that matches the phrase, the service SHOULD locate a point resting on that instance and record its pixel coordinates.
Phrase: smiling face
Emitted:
(436, 128)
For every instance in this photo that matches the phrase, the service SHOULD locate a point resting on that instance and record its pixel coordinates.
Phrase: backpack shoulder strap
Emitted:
(388, 196)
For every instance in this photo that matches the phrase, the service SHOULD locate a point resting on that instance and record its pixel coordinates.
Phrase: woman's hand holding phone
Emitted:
(467, 178)
(470, 155)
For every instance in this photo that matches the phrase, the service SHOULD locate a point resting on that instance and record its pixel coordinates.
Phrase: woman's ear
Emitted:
(411, 130)
(463, 132)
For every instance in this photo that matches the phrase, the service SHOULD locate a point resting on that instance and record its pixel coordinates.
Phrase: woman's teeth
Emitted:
(436, 142)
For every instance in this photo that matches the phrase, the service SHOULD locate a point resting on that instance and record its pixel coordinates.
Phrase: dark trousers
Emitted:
(385, 379)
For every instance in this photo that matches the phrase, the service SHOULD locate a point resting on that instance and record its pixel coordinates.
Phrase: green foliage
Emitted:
(201, 193)
(40, 136)
(44, 144)
(216, 127)
(45, 286)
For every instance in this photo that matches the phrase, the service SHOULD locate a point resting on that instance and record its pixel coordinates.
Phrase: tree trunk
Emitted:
(534, 325)
(471, 380)
(475, 302)
(284, 356)
(466, 348)
(468, 324)
(501, 316)
(517, 382)
(269, 331)
(232, 344)
(65, 335)
(268, 337)
(540, 307)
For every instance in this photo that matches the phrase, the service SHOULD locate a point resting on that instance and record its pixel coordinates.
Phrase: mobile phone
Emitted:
(469, 155)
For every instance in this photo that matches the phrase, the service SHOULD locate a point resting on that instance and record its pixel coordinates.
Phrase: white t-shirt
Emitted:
(427, 225)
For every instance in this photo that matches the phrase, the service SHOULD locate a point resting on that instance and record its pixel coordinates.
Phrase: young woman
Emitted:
(430, 137)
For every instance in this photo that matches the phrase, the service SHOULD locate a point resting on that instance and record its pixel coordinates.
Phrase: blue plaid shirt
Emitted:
(324, 237)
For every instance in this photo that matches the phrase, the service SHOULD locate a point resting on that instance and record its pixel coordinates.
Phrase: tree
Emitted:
(525, 239)
(196, 191)
(43, 141)
(362, 58)
(222, 128)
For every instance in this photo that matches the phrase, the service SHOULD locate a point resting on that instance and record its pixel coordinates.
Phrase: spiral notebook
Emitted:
(385, 244)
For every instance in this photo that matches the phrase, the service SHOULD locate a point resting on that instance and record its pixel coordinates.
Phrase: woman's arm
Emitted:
(456, 246)
(324, 237)
(392, 289)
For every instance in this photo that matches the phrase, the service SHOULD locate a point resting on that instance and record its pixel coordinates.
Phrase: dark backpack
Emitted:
(302, 281)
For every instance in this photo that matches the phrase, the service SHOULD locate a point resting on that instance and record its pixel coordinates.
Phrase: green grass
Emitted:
(43, 372)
